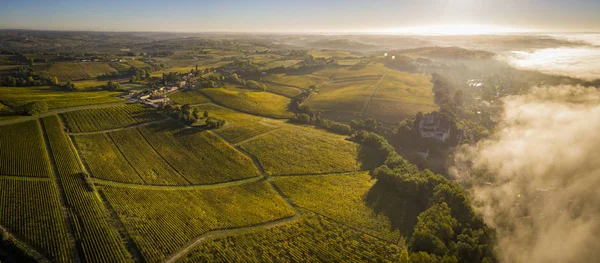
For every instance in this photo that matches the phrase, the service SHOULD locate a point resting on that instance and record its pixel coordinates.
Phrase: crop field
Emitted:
(312, 239)
(281, 63)
(95, 69)
(239, 126)
(88, 84)
(121, 67)
(22, 145)
(348, 62)
(401, 95)
(328, 72)
(264, 58)
(31, 210)
(296, 151)
(200, 157)
(300, 81)
(99, 119)
(104, 159)
(347, 96)
(331, 53)
(137, 64)
(68, 71)
(163, 221)
(364, 70)
(148, 163)
(98, 239)
(254, 102)
(56, 98)
(340, 197)
(283, 90)
(188, 97)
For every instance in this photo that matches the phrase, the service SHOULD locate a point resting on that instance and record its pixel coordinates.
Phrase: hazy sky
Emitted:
(296, 16)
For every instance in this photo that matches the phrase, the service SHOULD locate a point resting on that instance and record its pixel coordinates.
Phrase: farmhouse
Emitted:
(431, 127)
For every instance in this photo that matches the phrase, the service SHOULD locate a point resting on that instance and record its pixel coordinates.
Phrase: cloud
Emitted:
(575, 62)
(537, 178)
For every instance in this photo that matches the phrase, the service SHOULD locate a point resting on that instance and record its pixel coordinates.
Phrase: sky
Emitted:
(301, 16)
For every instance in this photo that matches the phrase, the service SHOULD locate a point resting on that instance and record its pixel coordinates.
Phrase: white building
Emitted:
(431, 127)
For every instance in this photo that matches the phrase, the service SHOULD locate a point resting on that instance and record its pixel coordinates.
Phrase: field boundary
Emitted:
(374, 91)
(117, 129)
(179, 187)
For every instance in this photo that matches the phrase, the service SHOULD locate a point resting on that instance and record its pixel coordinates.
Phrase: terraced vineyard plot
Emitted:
(294, 151)
(56, 98)
(239, 126)
(149, 165)
(31, 210)
(200, 157)
(89, 120)
(189, 97)
(345, 96)
(340, 197)
(300, 81)
(283, 90)
(162, 222)
(23, 150)
(95, 69)
(254, 102)
(98, 239)
(313, 239)
(104, 159)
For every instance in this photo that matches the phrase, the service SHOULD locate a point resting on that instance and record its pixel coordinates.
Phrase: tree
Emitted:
(434, 230)
(303, 118)
(70, 86)
(112, 86)
(37, 107)
(205, 114)
(196, 114)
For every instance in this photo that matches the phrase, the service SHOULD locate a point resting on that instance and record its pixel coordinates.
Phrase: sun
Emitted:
(466, 29)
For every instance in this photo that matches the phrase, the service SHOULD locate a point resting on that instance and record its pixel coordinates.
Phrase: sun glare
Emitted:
(451, 30)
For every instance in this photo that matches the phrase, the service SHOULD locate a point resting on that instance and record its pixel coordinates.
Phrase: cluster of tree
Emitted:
(296, 103)
(11, 252)
(70, 86)
(316, 119)
(31, 80)
(112, 86)
(134, 73)
(435, 212)
(34, 108)
(191, 116)
(170, 78)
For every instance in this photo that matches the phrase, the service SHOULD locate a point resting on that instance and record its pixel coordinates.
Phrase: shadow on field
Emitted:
(401, 210)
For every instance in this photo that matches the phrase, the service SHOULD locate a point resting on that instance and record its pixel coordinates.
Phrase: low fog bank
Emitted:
(537, 178)
(581, 62)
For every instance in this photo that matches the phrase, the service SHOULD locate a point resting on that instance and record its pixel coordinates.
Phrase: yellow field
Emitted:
(331, 53)
(79, 70)
(249, 101)
(358, 71)
(86, 84)
(56, 98)
(347, 96)
(300, 81)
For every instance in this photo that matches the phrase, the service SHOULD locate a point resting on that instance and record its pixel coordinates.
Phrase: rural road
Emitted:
(373, 94)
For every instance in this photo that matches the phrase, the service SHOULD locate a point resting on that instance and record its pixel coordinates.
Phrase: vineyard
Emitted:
(148, 163)
(312, 239)
(200, 157)
(188, 97)
(300, 81)
(340, 197)
(104, 159)
(163, 221)
(107, 118)
(16, 97)
(239, 126)
(254, 102)
(283, 90)
(97, 239)
(295, 151)
(21, 145)
(346, 96)
(31, 210)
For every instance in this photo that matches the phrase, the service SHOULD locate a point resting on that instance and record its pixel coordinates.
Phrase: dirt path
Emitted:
(179, 187)
(373, 94)
(57, 111)
(257, 136)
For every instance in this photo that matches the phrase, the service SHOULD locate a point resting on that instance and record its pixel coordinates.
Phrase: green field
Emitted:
(23, 150)
(239, 126)
(362, 70)
(98, 240)
(56, 98)
(340, 197)
(254, 102)
(312, 239)
(331, 53)
(298, 151)
(348, 96)
(283, 90)
(281, 63)
(99, 119)
(163, 221)
(300, 81)
(188, 97)
(79, 70)
(137, 64)
(163, 154)
(121, 67)
(401, 95)
(89, 84)
(31, 211)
